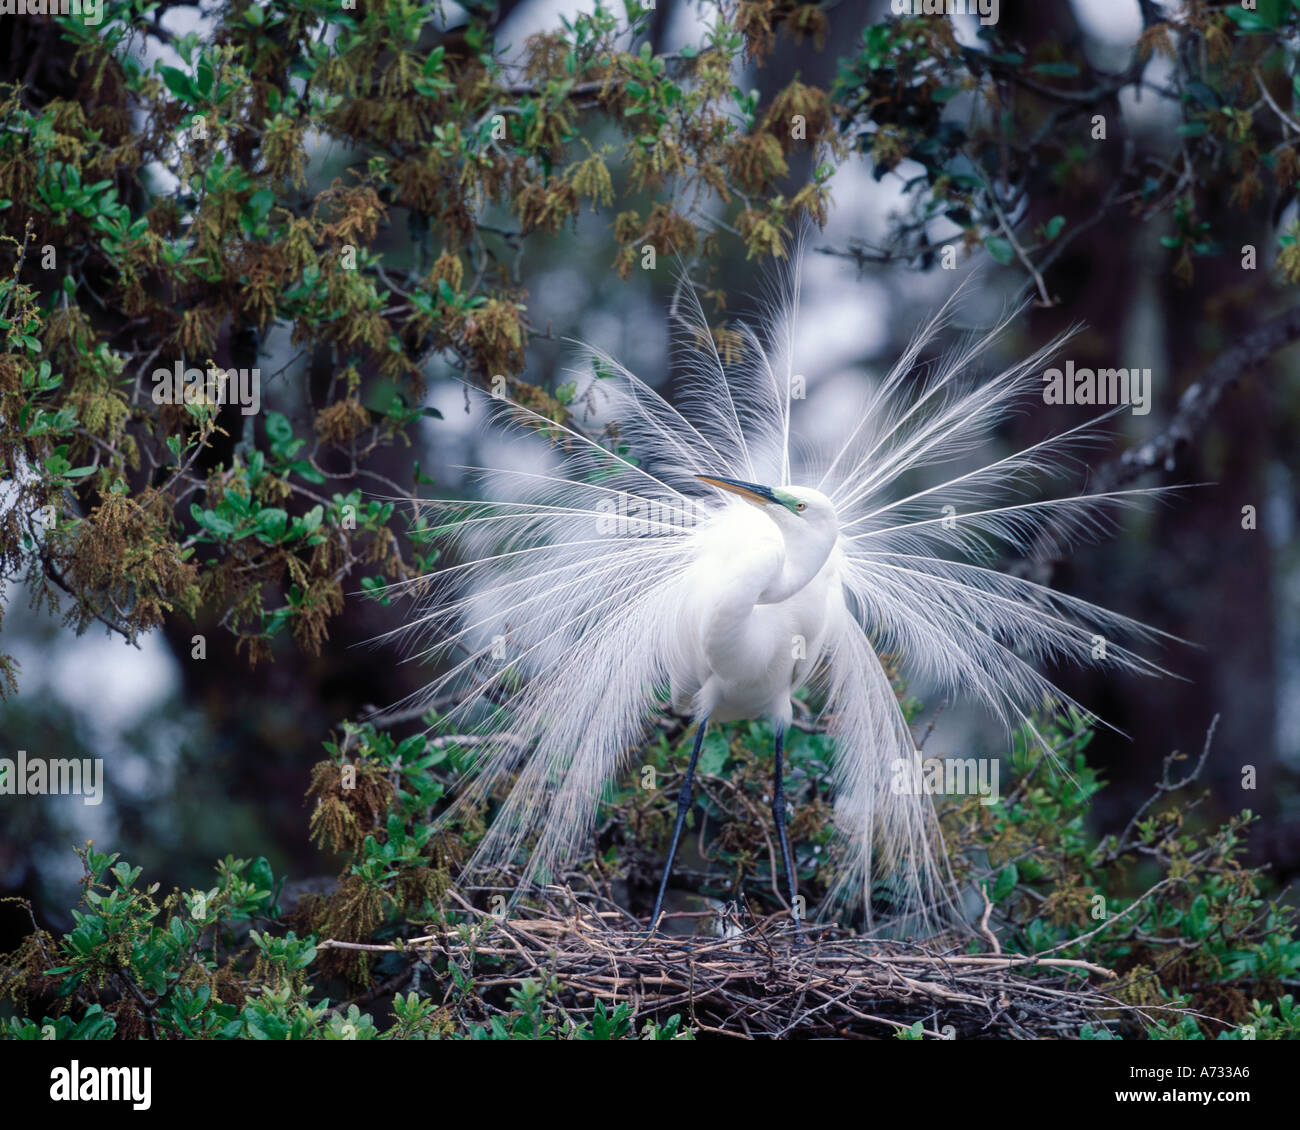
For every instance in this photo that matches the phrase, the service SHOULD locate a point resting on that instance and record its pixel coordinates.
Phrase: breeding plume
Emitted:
(687, 554)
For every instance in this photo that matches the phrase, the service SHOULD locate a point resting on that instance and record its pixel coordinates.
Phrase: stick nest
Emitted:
(757, 977)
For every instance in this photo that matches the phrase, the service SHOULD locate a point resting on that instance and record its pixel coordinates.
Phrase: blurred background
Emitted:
(209, 758)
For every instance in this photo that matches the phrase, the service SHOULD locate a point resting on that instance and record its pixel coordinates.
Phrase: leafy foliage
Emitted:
(1009, 124)
(1167, 905)
(119, 275)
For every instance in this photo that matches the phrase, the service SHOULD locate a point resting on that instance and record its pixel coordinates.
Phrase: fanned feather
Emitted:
(553, 620)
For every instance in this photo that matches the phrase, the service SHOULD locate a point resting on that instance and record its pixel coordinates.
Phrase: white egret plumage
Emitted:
(683, 553)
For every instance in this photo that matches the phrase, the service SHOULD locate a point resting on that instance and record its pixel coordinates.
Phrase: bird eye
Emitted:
(802, 506)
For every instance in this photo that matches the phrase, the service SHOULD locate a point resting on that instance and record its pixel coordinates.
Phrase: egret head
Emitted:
(797, 510)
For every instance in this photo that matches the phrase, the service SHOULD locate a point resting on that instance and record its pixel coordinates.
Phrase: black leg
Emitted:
(778, 814)
(684, 797)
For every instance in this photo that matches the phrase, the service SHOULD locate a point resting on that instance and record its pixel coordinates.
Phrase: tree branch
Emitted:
(1199, 399)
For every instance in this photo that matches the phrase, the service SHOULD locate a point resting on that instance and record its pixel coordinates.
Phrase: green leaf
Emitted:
(1056, 70)
(260, 875)
(1000, 249)
(1053, 228)
(278, 427)
(1266, 17)
(305, 470)
(178, 82)
(1205, 94)
(203, 79)
(713, 754)
(259, 204)
(1006, 882)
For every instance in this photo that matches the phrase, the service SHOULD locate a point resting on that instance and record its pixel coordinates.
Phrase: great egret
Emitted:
(679, 553)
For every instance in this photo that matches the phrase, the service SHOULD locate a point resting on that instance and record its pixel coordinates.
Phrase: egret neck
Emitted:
(808, 545)
(808, 529)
